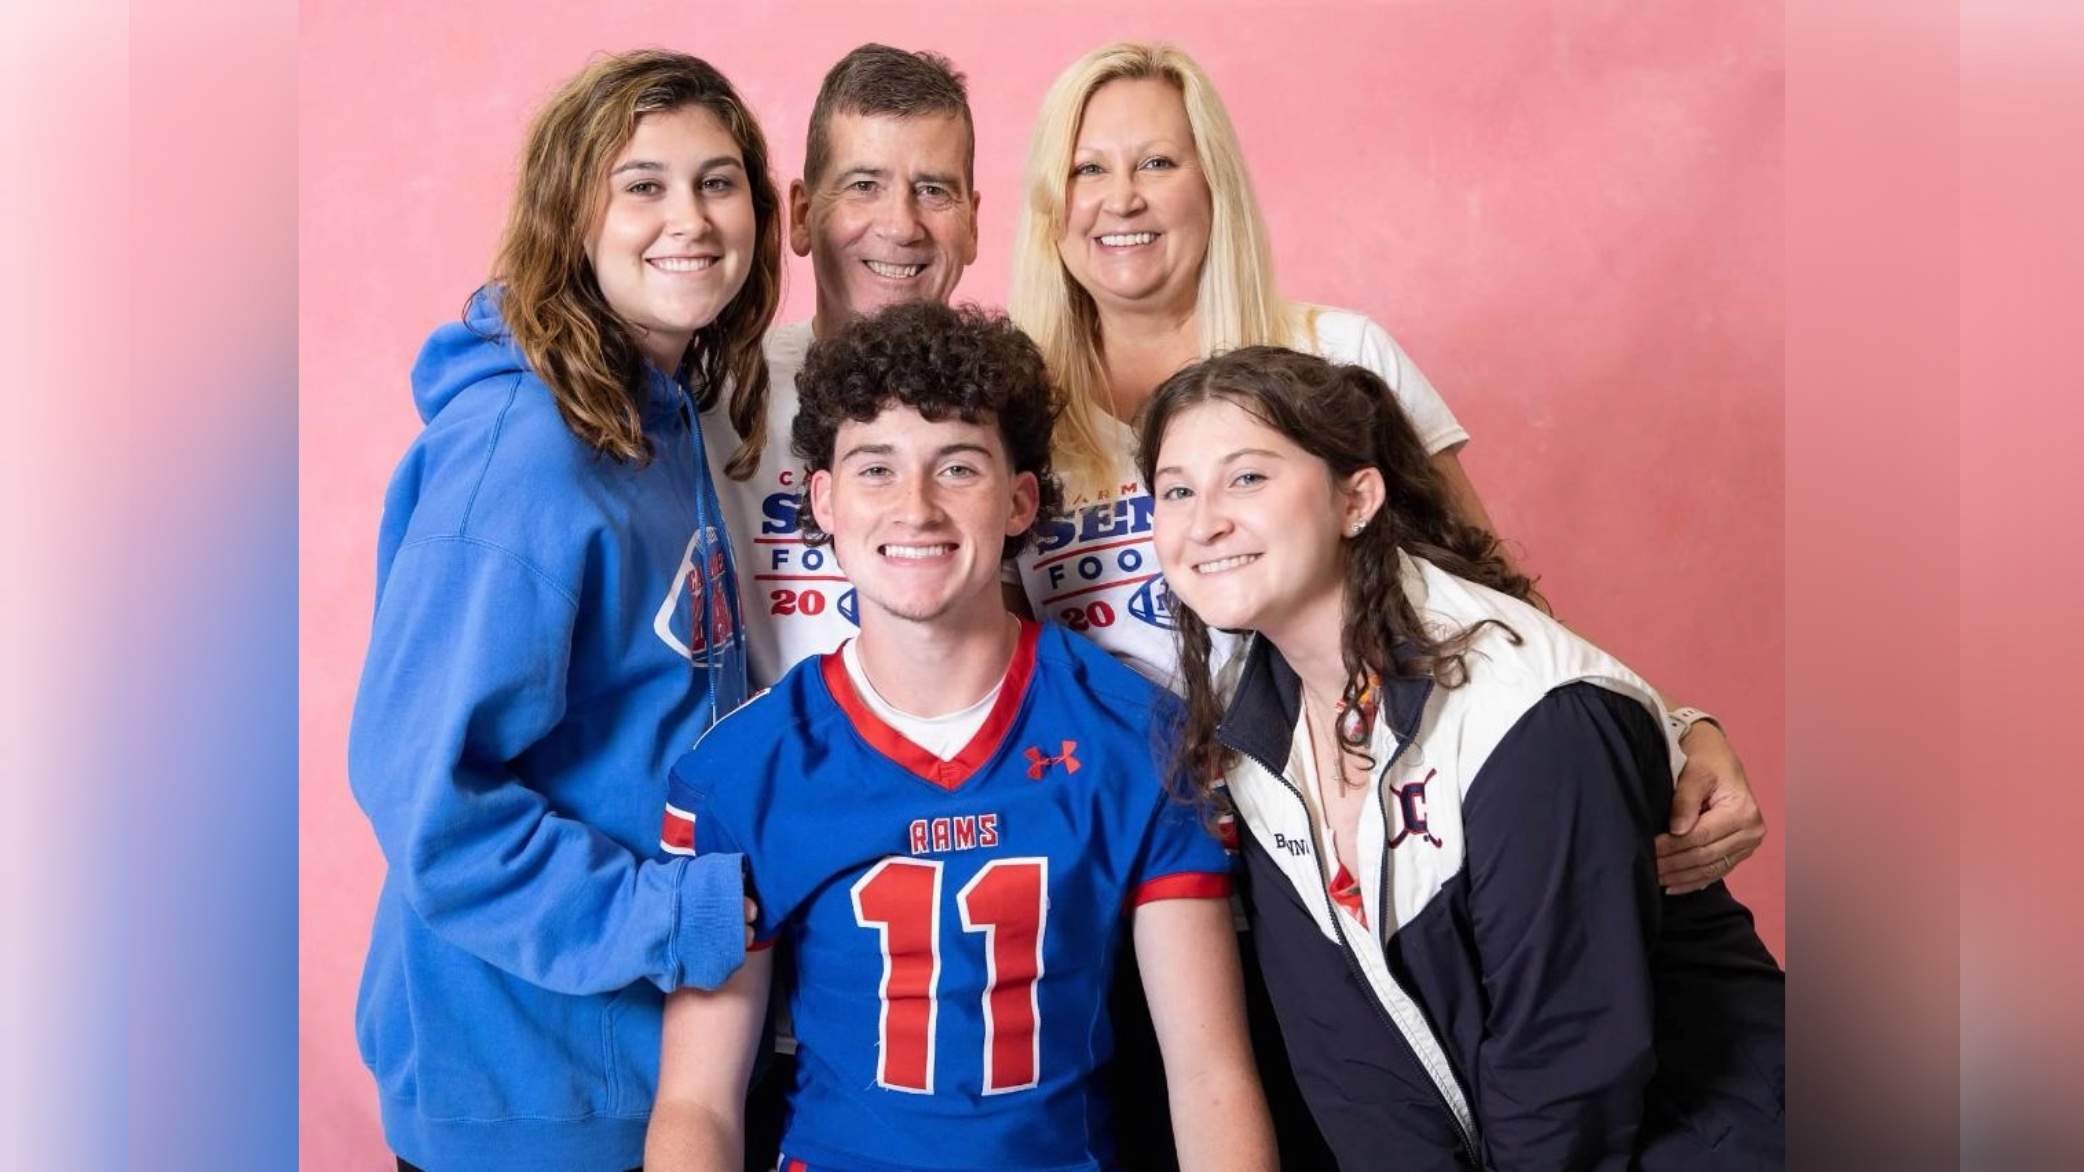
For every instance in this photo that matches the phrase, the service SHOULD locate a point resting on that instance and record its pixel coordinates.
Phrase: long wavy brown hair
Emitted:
(552, 303)
(1347, 417)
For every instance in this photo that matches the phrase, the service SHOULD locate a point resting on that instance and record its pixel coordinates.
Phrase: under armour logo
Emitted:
(1039, 764)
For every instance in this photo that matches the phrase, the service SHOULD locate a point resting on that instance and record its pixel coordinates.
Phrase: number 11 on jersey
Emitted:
(1007, 902)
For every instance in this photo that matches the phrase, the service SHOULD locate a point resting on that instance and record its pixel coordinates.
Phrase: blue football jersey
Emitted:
(950, 927)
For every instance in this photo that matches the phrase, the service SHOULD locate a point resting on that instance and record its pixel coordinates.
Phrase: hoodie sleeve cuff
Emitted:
(709, 936)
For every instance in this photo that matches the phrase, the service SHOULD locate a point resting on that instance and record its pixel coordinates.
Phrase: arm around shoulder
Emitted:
(1716, 822)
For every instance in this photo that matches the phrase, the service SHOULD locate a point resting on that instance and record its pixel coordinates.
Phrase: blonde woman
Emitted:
(1140, 249)
(556, 618)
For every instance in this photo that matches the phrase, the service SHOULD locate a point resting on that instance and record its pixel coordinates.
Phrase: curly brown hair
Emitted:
(552, 303)
(941, 361)
(1347, 417)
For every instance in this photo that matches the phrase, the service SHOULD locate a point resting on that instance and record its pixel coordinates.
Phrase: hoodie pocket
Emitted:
(464, 1041)
(629, 1048)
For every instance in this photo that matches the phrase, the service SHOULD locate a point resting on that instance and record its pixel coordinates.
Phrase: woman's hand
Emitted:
(1716, 822)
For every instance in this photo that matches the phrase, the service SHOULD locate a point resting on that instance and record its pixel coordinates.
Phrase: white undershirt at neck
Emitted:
(943, 736)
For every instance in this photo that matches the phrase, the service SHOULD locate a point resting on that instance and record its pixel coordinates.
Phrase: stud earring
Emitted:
(1354, 529)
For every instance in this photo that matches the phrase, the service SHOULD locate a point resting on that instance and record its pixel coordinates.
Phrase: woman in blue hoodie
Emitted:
(556, 620)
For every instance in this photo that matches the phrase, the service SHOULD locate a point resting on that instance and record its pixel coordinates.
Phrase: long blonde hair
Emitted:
(552, 303)
(1236, 303)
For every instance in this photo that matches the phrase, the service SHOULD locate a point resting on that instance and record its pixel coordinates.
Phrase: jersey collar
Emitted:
(990, 736)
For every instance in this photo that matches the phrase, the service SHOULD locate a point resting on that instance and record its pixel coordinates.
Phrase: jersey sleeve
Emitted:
(700, 822)
(1182, 856)
(691, 827)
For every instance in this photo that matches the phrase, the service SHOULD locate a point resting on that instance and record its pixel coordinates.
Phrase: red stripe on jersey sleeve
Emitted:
(677, 832)
(1185, 885)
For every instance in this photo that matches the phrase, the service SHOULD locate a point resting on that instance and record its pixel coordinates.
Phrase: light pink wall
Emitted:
(1569, 213)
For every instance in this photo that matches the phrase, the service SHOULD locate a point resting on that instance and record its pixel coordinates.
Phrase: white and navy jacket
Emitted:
(1523, 996)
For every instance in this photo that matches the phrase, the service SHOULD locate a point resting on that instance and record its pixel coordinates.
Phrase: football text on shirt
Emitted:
(796, 578)
(1101, 547)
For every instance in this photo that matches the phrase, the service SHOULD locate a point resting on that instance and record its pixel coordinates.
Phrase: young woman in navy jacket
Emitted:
(1446, 806)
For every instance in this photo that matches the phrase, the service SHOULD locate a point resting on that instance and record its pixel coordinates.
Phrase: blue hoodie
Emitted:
(535, 667)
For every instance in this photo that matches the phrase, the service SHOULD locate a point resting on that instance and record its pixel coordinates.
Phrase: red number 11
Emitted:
(901, 900)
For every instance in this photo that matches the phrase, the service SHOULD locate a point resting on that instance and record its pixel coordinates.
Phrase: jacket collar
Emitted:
(1264, 711)
(1261, 719)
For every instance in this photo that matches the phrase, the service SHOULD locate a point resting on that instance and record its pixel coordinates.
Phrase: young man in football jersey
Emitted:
(952, 822)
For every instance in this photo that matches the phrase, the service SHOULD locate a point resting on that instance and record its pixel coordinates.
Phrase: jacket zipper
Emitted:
(1353, 962)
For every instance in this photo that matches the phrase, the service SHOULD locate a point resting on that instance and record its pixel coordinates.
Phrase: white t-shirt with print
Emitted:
(1095, 569)
(794, 599)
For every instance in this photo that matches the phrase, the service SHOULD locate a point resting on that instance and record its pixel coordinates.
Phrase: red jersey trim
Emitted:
(990, 737)
(1184, 885)
(677, 832)
(762, 945)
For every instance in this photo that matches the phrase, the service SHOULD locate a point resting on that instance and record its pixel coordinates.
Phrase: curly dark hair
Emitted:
(1347, 417)
(941, 361)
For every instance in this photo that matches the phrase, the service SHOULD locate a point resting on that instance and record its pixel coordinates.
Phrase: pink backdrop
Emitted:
(1569, 213)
